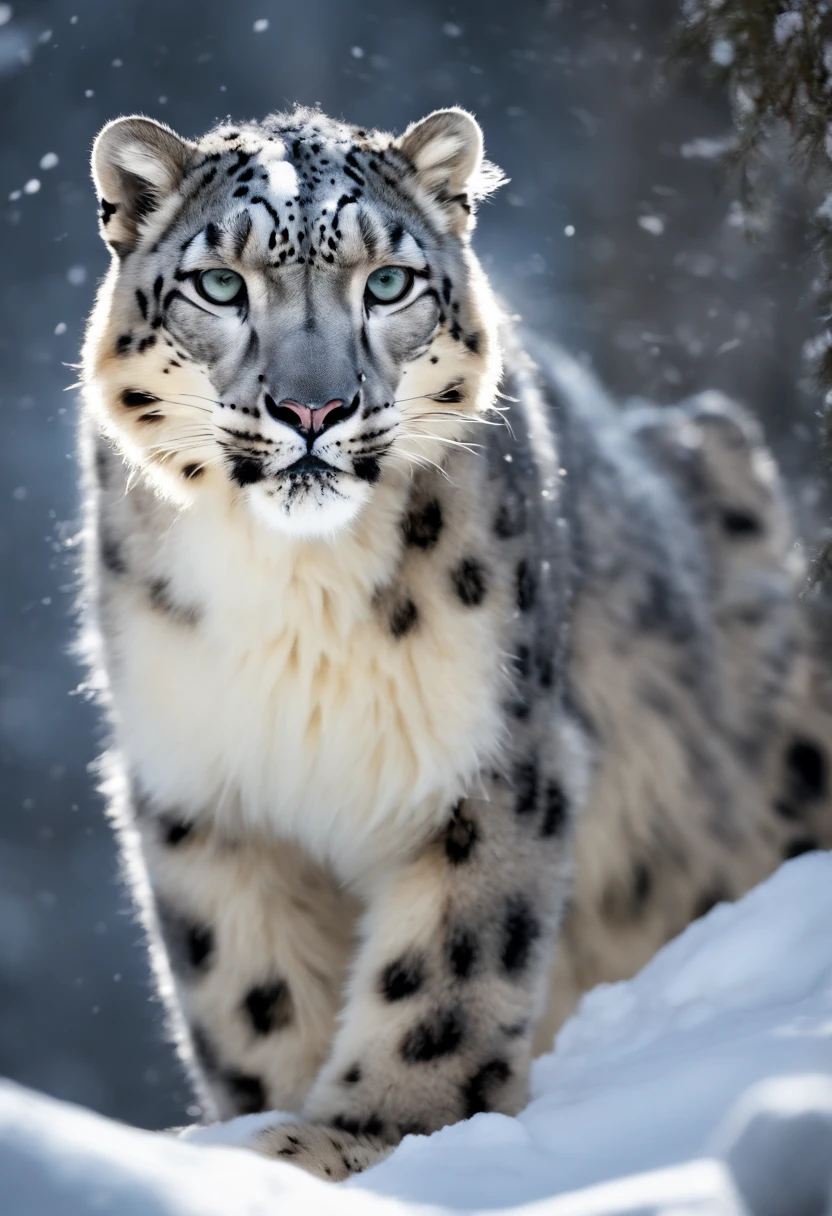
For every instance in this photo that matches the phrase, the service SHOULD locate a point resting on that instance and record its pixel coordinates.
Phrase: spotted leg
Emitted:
(449, 978)
(251, 943)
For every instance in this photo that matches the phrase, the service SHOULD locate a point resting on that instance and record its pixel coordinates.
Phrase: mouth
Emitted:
(309, 464)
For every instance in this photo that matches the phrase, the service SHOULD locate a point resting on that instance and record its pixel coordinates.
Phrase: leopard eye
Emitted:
(221, 286)
(389, 284)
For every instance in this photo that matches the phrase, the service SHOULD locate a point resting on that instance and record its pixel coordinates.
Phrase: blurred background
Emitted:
(618, 234)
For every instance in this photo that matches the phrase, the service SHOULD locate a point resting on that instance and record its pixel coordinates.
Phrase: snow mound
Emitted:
(702, 1086)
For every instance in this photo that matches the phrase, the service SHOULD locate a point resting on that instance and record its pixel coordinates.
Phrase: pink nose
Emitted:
(312, 417)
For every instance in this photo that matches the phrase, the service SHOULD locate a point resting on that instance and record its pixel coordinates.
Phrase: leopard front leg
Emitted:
(251, 946)
(449, 978)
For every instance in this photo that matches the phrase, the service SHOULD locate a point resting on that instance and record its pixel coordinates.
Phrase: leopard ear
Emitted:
(446, 151)
(137, 164)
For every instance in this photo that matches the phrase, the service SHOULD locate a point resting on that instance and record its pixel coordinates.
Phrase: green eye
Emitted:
(221, 286)
(389, 284)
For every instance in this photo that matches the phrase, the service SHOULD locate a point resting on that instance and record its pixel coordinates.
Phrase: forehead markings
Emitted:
(300, 234)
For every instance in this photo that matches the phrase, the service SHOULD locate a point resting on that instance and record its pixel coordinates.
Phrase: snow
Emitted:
(702, 1086)
(722, 52)
(786, 25)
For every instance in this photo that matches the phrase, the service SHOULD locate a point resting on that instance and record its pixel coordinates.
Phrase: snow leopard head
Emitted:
(293, 309)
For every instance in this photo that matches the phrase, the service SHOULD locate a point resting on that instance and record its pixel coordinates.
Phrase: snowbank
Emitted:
(704, 1085)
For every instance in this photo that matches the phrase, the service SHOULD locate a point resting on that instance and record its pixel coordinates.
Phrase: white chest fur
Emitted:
(287, 707)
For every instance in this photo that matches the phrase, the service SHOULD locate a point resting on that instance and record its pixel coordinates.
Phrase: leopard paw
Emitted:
(321, 1149)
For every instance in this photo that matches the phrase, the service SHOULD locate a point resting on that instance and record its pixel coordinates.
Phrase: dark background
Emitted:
(656, 287)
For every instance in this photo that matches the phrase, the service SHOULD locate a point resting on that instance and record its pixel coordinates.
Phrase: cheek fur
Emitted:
(407, 331)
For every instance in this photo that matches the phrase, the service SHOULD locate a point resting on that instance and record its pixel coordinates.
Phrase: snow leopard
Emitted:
(440, 689)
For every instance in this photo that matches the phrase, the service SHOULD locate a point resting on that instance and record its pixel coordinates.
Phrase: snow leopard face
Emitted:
(293, 308)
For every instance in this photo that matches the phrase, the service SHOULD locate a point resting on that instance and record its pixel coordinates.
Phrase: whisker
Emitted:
(213, 400)
(457, 443)
(422, 461)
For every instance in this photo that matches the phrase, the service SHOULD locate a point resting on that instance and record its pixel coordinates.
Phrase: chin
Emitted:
(311, 512)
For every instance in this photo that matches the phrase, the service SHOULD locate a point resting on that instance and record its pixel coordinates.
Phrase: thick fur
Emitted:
(417, 740)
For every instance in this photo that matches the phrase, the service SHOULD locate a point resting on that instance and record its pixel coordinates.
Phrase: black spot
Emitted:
(246, 470)
(806, 771)
(147, 343)
(246, 176)
(521, 930)
(452, 395)
(545, 671)
(402, 978)
(403, 618)
(432, 1039)
(525, 786)
(555, 808)
(423, 525)
(515, 1030)
(738, 522)
(352, 1076)
(112, 557)
(446, 289)
(190, 945)
(475, 1092)
(141, 300)
(269, 1006)
(462, 952)
(247, 1092)
(472, 341)
(469, 580)
(796, 848)
(786, 810)
(200, 945)
(212, 235)
(662, 610)
(134, 396)
(160, 598)
(174, 831)
(367, 468)
(158, 284)
(526, 586)
(369, 1126)
(240, 192)
(123, 343)
(460, 837)
(510, 520)
(642, 886)
(108, 210)
(191, 471)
